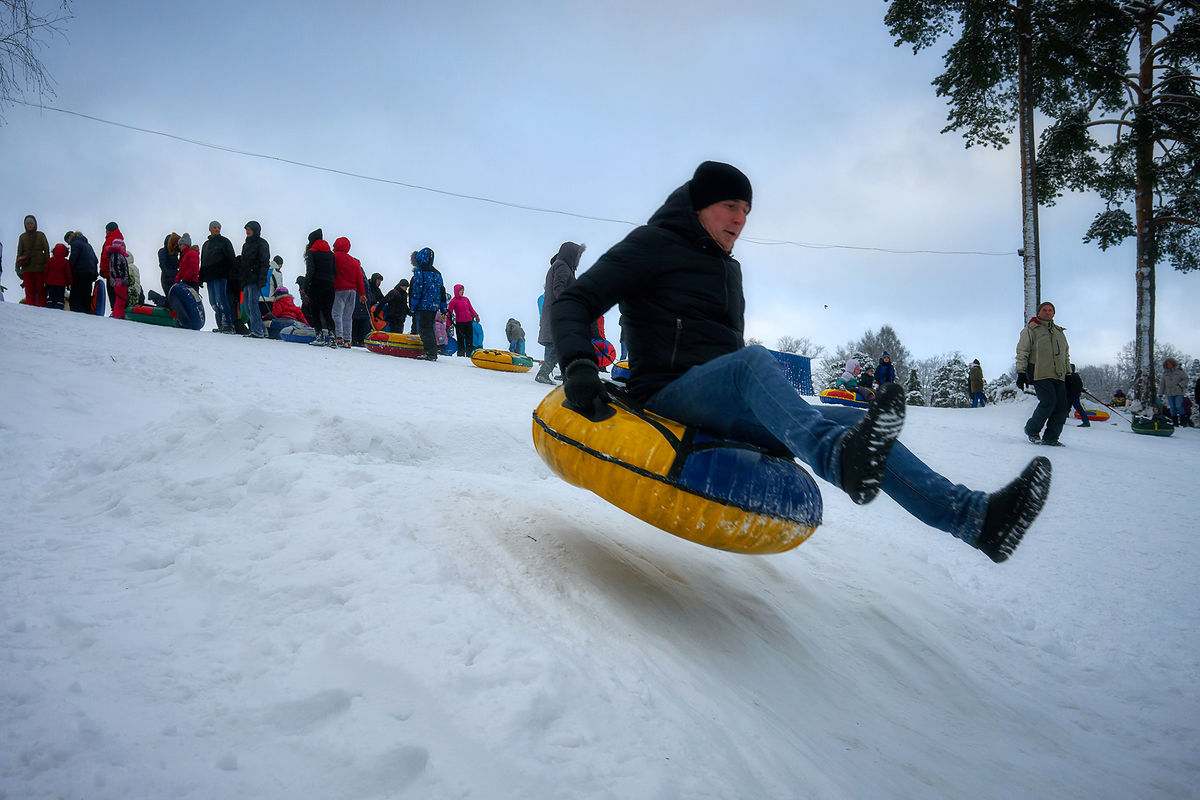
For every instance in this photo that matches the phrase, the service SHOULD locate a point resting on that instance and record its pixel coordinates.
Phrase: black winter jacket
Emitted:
(1074, 384)
(217, 259)
(256, 258)
(84, 263)
(397, 308)
(680, 296)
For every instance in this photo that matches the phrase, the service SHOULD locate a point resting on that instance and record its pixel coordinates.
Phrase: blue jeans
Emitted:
(517, 346)
(745, 395)
(250, 293)
(1051, 409)
(220, 302)
(978, 400)
(1175, 404)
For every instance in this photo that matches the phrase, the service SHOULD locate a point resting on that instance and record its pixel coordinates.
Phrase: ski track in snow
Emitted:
(256, 569)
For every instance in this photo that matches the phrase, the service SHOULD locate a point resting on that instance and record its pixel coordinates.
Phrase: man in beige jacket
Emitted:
(1043, 361)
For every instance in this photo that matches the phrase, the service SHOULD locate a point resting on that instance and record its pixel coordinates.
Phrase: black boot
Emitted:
(1013, 509)
(865, 448)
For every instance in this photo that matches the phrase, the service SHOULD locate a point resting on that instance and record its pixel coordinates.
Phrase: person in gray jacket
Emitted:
(560, 275)
(1172, 386)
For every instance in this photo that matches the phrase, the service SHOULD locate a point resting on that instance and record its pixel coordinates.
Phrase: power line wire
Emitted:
(479, 198)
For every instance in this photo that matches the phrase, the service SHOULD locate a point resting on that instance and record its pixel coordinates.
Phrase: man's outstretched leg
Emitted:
(866, 447)
(1013, 509)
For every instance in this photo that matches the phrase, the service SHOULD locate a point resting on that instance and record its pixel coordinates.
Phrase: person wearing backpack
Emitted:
(118, 276)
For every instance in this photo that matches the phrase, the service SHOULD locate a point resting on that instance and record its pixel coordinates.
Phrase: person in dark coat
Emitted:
(680, 292)
(1074, 393)
(561, 275)
(426, 297)
(254, 266)
(361, 319)
(33, 251)
(885, 372)
(320, 271)
(217, 262)
(168, 261)
(516, 336)
(84, 269)
(397, 306)
(975, 385)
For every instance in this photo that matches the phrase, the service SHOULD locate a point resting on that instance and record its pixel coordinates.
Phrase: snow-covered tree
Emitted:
(1000, 390)
(915, 394)
(833, 366)
(886, 340)
(949, 387)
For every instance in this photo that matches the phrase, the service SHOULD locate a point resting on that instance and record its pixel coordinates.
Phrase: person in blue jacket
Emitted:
(885, 372)
(426, 297)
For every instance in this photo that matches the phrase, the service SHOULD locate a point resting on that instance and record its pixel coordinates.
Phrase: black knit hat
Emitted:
(715, 181)
(110, 227)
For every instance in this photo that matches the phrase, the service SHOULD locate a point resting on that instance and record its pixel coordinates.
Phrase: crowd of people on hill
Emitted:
(246, 290)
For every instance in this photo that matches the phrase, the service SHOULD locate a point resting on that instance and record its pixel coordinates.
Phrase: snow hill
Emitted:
(253, 569)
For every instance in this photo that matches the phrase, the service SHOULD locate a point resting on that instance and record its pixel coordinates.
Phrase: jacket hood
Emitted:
(317, 234)
(254, 227)
(342, 245)
(851, 365)
(677, 215)
(458, 290)
(569, 253)
(320, 245)
(59, 250)
(29, 217)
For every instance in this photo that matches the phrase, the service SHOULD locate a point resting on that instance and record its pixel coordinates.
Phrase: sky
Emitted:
(248, 581)
(596, 110)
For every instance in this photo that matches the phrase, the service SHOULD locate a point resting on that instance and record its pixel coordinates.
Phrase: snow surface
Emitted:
(237, 568)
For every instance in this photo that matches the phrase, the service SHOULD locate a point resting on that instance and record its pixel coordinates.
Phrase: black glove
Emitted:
(1022, 381)
(585, 391)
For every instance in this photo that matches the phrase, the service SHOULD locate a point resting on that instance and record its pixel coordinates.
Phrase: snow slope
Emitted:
(236, 568)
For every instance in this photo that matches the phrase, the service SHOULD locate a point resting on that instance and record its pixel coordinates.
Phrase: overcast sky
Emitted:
(598, 110)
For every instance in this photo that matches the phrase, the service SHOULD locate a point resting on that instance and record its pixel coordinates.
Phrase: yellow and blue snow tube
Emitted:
(501, 360)
(716, 492)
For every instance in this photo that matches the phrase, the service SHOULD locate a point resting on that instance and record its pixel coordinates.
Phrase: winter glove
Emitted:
(1022, 382)
(585, 391)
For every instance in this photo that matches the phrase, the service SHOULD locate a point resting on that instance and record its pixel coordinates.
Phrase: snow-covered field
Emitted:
(252, 569)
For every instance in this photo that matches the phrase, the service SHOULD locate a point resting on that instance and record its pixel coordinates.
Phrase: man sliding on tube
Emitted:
(680, 295)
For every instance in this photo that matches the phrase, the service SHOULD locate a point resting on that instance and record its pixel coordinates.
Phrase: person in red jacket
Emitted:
(284, 307)
(58, 276)
(189, 263)
(284, 313)
(111, 231)
(348, 287)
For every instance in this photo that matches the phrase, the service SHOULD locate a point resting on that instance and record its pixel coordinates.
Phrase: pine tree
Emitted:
(832, 368)
(915, 395)
(949, 388)
(885, 341)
